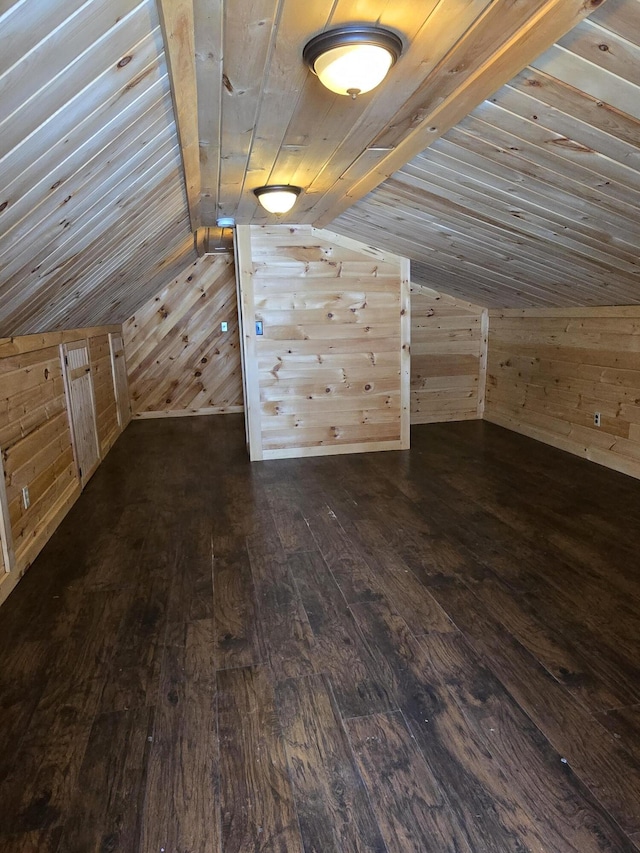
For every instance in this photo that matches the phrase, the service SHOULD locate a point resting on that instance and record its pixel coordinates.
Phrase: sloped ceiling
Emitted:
(534, 198)
(530, 200)
(93, 212)
(261, 117)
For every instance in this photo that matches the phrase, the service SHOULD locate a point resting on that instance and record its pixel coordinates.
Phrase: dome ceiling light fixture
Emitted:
(277, 198)
(352, 60)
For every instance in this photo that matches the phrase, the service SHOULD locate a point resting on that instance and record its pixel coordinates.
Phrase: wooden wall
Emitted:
(104, 391)
(448, 357)
(330, 374)
(36, 440)
(550, 370)
(179, 360)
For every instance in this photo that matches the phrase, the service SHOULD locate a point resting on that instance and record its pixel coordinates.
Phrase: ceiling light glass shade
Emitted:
(352, 60)
(277, 198)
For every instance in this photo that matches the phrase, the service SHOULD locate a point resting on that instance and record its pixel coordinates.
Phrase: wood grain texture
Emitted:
(339, 648)
(327, 368)
(236, 616)
(104, 391)
(408, 799)
(91, 185)
(179, 360)
(530, 199)
(333, 808)
(283, 618)
(257, 801)
(447, 348)
(108, 804)
(81, 407)
(178, 30)
(508, 723)
(550, 371)
(36, 440)
(181, 805)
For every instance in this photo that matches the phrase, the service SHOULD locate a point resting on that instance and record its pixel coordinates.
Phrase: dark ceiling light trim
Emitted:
(364, 48)
(277, 198)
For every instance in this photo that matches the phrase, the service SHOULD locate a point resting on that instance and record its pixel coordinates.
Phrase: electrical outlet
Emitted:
(26, 500)
(259, 330)
(224, 326)
(596, 418)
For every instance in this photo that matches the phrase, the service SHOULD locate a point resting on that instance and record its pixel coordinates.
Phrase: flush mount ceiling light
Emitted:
(277, 198)
(352, 60)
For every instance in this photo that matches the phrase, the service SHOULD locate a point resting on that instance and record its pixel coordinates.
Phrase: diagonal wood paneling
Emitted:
(533, 198)
(91, 185)
(179, 360)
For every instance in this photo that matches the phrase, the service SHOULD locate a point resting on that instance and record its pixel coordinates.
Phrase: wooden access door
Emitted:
(120, 379)
(81, 407)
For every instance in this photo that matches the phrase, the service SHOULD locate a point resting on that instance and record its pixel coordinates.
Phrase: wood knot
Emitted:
(125, 61)
(227, 83)
(4, 206)
(604, 47)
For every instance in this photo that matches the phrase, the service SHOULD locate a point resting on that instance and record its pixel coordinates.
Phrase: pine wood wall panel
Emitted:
(550, 370)
(179, 360)
(447, 357)
(81, 408)
(104, 391)
(120, 379)
(327, 372)
(36, 442)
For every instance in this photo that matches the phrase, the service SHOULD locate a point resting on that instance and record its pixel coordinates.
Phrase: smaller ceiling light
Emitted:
(352, 60)
(277, 198)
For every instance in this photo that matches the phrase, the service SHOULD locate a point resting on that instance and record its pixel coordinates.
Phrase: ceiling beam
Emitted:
(176, 18)
(552, 20)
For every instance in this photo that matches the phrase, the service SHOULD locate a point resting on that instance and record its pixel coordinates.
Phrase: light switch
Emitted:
(224, 326)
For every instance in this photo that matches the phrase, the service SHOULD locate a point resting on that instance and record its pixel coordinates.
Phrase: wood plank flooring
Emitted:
(433, 651)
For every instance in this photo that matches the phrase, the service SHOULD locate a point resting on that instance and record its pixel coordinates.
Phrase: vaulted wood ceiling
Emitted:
(93, 213)
(534, 199)
(262, 117)
(100, 191)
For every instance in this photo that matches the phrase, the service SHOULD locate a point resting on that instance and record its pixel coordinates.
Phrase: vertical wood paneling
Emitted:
(104, 391)
(120, 379)
(35, 437)
(447, 352)
(81, 408)
(550, 370)
(329, 363)
(180, 362)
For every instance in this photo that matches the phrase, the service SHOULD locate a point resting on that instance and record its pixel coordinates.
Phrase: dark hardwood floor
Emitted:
(436, 650)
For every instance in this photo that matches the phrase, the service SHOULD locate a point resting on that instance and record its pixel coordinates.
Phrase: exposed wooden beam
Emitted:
(176, 17)
(538, 31)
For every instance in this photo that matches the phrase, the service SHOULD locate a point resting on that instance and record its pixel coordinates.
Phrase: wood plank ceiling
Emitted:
(534, 198)
(99, 191)
(263, 117)
(93, 213)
